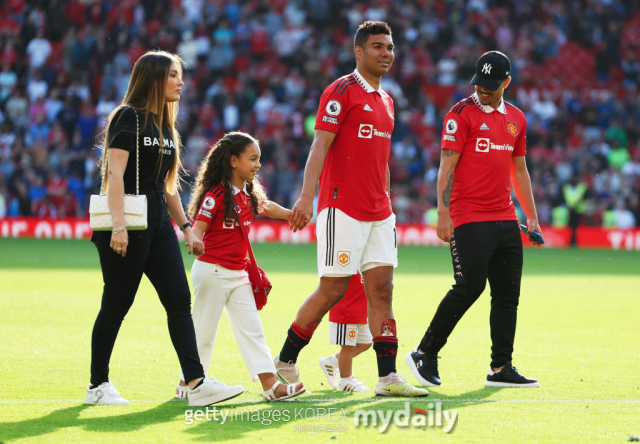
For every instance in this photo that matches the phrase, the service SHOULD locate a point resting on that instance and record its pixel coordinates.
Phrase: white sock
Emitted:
(386, 379)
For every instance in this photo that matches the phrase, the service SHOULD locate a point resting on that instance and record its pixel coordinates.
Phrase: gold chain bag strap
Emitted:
(135, 206)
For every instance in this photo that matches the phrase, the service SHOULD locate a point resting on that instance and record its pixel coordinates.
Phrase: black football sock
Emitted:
(386, 348)
(297, 339)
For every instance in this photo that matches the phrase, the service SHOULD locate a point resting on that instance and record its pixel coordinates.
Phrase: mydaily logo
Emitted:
(433, 416)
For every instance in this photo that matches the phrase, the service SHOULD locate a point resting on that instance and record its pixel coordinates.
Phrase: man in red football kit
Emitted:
(355, 227)
(483, 148)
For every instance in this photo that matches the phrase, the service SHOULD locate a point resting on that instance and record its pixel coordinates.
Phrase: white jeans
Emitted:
(217, 288)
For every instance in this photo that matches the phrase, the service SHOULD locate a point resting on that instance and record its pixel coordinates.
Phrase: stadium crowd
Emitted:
(261, 65)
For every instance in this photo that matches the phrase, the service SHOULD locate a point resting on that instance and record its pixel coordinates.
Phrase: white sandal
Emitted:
(270, 395)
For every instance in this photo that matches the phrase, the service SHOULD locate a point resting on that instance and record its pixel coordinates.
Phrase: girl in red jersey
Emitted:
(348, 328)
(227, 191)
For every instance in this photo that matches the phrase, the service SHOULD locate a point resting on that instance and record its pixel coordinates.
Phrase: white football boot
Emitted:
(351, 384)
(331, 369)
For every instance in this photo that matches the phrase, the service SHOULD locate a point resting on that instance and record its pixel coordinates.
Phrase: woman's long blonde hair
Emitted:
(147, 89)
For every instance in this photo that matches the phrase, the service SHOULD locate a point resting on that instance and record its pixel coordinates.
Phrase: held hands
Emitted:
(195, 245)
(445, 227)
(301, 214)
(119, 242)
(294, 229)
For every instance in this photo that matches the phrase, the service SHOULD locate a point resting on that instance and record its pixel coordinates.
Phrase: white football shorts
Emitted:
(347, 246)
(349, 334)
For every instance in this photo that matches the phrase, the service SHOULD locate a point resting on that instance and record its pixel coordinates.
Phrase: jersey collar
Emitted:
(236, 190)
(364, 84)
(486, 108)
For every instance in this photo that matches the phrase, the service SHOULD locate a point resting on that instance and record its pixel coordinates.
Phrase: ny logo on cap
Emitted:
(486, 69)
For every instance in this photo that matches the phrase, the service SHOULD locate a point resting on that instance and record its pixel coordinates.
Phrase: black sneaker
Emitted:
(423, 367)
(509, 377)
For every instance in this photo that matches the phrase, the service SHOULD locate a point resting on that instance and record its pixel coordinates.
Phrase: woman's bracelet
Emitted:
(119, 230)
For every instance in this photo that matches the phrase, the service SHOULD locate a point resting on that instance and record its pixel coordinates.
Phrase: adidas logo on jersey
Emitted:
(367, 107)
(484, 127)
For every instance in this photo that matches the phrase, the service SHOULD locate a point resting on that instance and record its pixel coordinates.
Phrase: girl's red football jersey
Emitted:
(223, 241)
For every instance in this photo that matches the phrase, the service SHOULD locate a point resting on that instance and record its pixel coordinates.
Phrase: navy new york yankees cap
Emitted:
(492, 69)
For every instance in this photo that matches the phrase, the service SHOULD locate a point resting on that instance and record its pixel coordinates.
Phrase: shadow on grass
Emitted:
(259, 416)
(69, 417)
(308, 413)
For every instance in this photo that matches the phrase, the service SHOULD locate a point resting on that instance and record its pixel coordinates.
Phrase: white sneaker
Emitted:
(182, 392)
(351, 384)
(211, 392)
(287, 373)
(331, 369)
(104, 394)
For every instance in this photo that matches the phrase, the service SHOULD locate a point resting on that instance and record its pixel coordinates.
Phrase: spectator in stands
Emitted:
(188, 49)
(39, 130)
(8, 80)
(53, 104)
(634, 206)
(623, 217)
(37, 87)
(3, 198)
(38, 49)
(16, 107)
(574, 193)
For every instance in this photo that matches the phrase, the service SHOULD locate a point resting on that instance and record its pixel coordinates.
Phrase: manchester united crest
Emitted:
(344, 257)
(512, 127)
(389, 110)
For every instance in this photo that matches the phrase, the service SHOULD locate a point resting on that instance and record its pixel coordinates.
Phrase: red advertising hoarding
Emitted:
(266, 231)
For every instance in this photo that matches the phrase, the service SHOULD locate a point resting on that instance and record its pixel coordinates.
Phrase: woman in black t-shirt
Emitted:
(151, 103)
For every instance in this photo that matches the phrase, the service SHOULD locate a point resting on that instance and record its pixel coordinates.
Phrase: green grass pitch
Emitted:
(578, 333)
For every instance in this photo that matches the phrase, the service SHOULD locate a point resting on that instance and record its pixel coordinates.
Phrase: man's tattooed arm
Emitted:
(446, 194)
(448, 153)
(448, 161)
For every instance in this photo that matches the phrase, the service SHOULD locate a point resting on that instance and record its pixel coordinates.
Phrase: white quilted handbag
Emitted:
(135, 206)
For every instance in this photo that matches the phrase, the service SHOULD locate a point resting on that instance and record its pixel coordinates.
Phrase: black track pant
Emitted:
(156, 253)
(479, 251)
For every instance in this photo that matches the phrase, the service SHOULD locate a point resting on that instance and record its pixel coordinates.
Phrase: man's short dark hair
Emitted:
(369, 28)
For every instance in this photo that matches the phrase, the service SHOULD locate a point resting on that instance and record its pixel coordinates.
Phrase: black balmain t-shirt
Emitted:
(122, 135)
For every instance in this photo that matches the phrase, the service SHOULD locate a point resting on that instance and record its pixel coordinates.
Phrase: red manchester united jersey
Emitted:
(352, 309)
(223, 241)
(354, 176)
(487, 140)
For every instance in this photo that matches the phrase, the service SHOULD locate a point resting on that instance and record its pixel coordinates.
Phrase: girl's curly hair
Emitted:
(216, 168)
